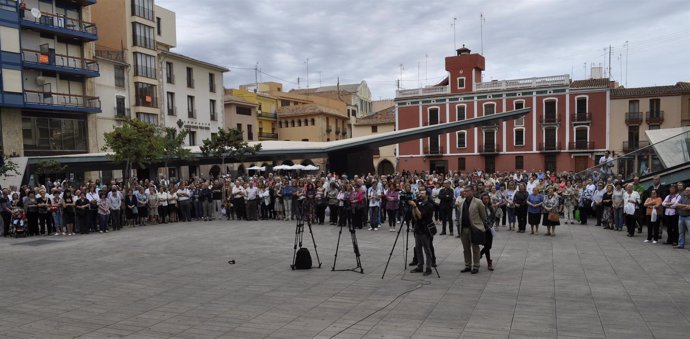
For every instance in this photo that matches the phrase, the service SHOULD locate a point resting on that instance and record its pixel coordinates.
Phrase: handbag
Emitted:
(553, 216)
(432, 228)
(577, 215)
(477, 237)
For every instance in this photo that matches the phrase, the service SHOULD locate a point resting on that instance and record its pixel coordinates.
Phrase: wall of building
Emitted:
(672, 106)
(232, 119)
(386, 153)
(168, 27)
(112, 18)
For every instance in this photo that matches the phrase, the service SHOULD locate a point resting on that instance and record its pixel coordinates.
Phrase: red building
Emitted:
(566, 130)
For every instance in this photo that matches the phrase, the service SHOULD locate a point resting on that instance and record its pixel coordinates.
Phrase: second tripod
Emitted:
(355, 248)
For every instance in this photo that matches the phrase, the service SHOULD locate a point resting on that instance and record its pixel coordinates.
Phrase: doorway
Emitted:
(439, 166)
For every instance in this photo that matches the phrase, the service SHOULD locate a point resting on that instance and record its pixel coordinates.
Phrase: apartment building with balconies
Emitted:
(636, 110)
(566, 129)
(47, 96)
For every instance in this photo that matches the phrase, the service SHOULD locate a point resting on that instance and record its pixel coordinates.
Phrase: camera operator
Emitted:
(423, 213)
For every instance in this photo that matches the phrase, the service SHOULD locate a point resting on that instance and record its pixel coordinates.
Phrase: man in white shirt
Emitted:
(252, 202)
(183, 198)
(115, 201)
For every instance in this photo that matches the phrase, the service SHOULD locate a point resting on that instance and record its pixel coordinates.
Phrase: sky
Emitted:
(384, 41)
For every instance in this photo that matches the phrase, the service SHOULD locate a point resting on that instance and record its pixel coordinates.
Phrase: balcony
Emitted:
(121, 111)
(60, 25)
(581, 145)
(344, 132)
(550, 147)
(422, 91)
(431, 151)
(267, 116)
(60, 63)
(191, 113)
(110, 54)
(61, 102)
(582, 118)
(654, 117)
(633, 118)
(549, 120)
(502, 85)
(268, 136)
(629, 146)
(172, 111)
(489, 148)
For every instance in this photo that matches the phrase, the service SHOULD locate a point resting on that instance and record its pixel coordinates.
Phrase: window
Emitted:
(143, 35)
(519, 162)
(213, 136)
(550, 139)
(284, 103)
(461, 139)
(461, 82)
(374, 129)
(190, 77)
(581, 135)
(313, 122)
(145, 94)
(460, 112)
(433, 116)
(212, 83)
(143, 8)
(149, 118)
(158, 26)
(292, 123)
(8, 5)
(239, 127)
(652, 127)
(489, 108)
(212, 110)
(169, 73)
(119, 76)
(299, 123)
(191, 111)
(519, 137)
(250, 132)
(306, 122)
(170, 103)
(654, 105)
(633, 136)
(120, 109)
(519, 105)
(581, 105)
(53, 134)
(634, 106)
(241, 110)
(461, 164)
(144, 65)
(550, 111)
(192, 138)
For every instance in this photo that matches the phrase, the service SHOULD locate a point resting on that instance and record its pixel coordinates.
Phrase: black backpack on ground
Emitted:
(303, 260)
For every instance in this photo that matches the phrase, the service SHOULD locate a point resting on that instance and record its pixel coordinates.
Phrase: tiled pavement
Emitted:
(174, 281)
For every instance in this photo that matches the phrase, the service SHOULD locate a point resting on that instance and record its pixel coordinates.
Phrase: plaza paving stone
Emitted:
(174, 281)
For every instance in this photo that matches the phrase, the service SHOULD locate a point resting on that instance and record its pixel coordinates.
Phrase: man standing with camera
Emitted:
(472, 217)
(423, 213)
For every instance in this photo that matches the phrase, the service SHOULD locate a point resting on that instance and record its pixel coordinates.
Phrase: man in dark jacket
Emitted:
(446, 195)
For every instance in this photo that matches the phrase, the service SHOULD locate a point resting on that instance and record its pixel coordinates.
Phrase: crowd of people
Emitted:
(472, 205)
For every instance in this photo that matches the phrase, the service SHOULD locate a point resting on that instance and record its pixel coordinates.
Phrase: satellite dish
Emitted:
(36, 13)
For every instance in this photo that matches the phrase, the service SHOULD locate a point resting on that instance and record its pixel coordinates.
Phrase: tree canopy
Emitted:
(134, 144)
(228, 144)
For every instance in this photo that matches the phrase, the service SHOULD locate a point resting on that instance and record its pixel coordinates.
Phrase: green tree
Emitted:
(228, 144)
(172, 147)
(8, 167)
(49, 167)
(135, 144)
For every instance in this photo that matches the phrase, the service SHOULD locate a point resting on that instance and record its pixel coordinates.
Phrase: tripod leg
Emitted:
(391, 254)
(294, 252)
(314, 242)
(337, 245)
(355, 247)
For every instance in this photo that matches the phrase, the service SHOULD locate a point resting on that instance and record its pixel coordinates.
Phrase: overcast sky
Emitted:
(368, 40)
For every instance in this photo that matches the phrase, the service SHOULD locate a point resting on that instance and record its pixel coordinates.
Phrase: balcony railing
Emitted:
(121, 111)
(110, 54)
(422, 91)
(629, 146)
(489, 148)
(549, 146)
(581, 118)
(191, 113)
(654, 117)
(633, 118)
(268, 136)
(344, 132)
(581, 145)
(432, 151)
(65, 63)
(549, 120)
(172, 111)
(91, 104)
(266, 115)
(496, 85)
(61, 24)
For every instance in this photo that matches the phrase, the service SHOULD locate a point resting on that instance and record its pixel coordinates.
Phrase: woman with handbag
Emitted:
(535, 201)
(551, 217)
(653, 208)
(607, 207)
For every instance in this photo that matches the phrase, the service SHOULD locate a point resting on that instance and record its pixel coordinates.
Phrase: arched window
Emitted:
(292, 122)
(313, 122)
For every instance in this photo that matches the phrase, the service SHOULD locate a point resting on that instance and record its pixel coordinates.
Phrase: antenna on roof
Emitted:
(482, 19)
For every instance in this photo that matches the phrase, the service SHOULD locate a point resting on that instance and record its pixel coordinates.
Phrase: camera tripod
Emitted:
(355, 248)
(407, 245)
(299, 235)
